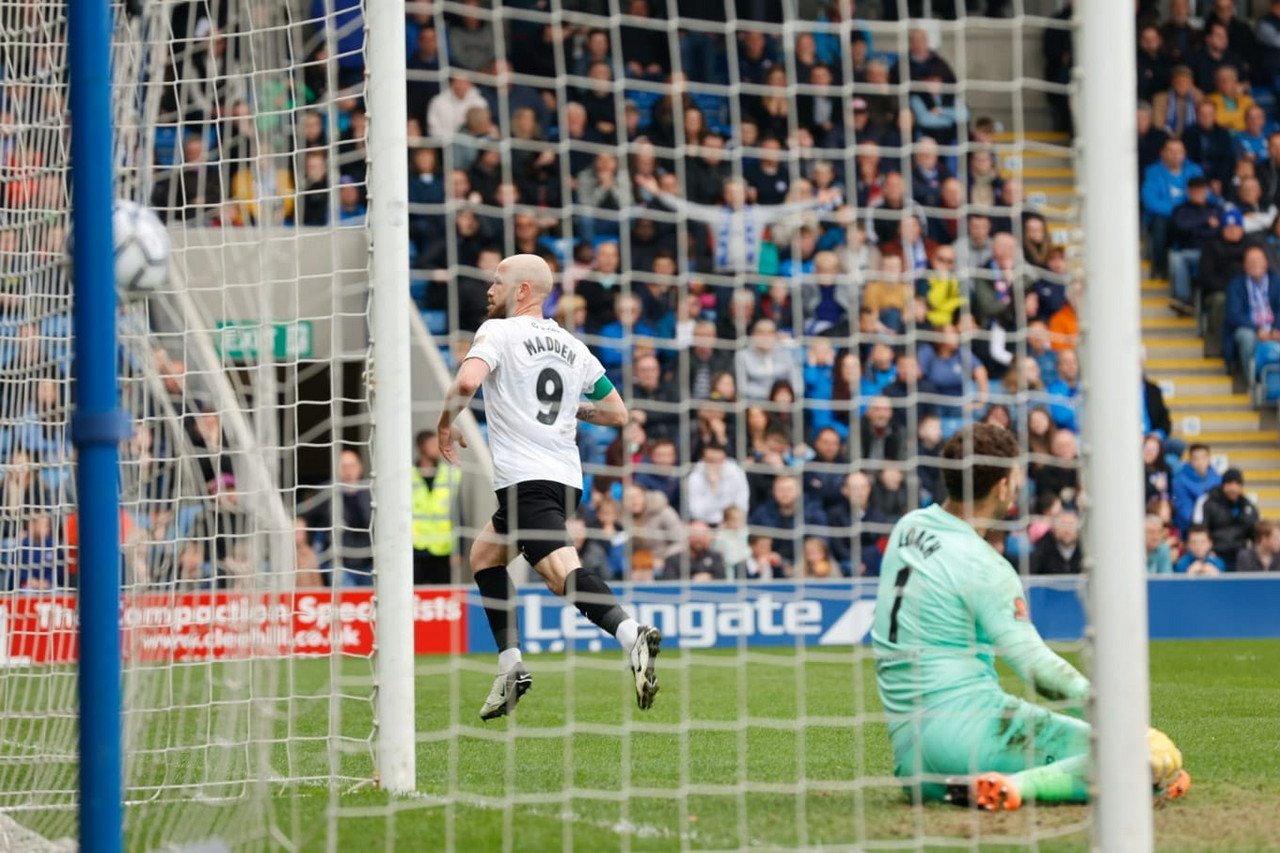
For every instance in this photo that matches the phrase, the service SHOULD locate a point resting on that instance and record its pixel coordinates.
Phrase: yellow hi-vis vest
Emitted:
(432, 524)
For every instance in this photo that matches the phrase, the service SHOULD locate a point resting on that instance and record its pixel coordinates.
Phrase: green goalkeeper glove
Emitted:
(1166, 759)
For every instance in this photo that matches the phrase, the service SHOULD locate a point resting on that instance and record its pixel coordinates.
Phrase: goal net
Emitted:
(809, 241)
(246, 570)
(808, 246)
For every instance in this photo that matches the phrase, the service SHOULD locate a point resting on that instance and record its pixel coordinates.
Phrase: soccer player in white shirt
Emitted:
(534, 373)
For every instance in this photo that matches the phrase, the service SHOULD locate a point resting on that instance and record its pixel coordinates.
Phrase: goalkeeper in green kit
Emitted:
(948, 604)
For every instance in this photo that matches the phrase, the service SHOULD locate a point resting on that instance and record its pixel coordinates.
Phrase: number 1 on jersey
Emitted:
(899, 587)
(550, 390)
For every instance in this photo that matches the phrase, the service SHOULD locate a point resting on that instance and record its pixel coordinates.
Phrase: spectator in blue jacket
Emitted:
(819, 388)
(1251, 143)
(1253, 305)
(614, 356)
(781, 515)
(38, 562)
(1199, 559)
(1064, 392)
(1164, 186)
(1194, 478)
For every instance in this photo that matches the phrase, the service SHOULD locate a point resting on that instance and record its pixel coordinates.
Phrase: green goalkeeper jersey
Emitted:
(947, 605)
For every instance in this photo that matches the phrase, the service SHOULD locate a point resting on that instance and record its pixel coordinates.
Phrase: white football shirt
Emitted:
(538, 373)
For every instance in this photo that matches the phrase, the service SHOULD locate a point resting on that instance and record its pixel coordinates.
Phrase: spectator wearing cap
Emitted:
(1194, 222)
(1221, 260)
(1228, 515)
(1252, 309)
(1175, 108)
(1263, 555)
(1164, 186)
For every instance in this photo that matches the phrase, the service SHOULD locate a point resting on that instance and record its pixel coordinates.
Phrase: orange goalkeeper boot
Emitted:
(995, 792)
(1178, 787)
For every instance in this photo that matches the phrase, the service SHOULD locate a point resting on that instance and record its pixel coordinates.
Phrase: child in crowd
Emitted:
(1199, 559)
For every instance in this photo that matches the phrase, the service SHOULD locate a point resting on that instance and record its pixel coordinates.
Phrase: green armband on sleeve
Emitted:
(602, 389)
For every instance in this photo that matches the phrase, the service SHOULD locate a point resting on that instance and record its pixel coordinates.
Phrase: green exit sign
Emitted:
(239, 339)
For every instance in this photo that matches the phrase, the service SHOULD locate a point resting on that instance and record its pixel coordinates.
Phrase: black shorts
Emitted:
(541, 509)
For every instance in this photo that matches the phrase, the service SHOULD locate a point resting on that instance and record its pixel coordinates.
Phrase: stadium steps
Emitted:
(1202, 401)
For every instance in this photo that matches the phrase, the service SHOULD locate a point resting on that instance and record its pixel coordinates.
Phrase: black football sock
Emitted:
(594, 600)
(498, 597)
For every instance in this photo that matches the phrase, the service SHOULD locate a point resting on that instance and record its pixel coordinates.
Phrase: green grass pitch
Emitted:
(1219, 700)
(673, 781)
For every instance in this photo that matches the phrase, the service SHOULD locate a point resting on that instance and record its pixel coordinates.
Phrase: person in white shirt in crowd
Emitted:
(715, 484)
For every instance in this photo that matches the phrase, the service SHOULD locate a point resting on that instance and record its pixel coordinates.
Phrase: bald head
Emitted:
(521, 283)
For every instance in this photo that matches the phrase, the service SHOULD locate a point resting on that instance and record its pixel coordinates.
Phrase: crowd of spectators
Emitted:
(804, 261)
(1209, 151)
(801, 293)
(1209, 154)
